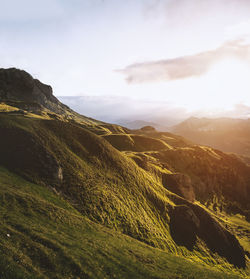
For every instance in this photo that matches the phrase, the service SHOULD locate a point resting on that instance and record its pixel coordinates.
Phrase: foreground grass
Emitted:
(42, 236)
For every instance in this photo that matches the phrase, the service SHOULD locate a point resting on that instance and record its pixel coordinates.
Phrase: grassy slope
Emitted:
(42, 236)
(212, 172)
(98, 180)
(169, 138)
(125, 142)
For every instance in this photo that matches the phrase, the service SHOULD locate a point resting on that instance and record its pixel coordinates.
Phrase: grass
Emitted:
(99, 182)
(6, 108)
(127, 142)
(241, 228)
(43, 236)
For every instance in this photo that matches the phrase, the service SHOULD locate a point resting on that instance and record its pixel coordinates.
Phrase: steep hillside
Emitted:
(103, 184)
(207, 174)
(161, 190)
(43, 236)
(18, 89)
(132, 142)
(228, 135)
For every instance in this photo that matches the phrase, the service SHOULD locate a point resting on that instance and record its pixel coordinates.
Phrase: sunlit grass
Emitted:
(42, 236)
(101, 183)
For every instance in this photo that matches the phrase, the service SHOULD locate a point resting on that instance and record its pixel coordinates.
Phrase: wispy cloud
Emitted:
(185, 66)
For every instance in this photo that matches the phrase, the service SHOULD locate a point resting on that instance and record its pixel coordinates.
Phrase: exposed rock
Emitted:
(31, 94)
(184, 226)
(189, 221)
(179, 184)
(218, 239)
(59, 174)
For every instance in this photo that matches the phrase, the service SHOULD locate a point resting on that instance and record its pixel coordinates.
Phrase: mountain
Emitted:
(88, 199)
(226, 134)
(19, 89)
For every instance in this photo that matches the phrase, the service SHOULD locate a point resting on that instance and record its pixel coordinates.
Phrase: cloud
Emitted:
(239, 111)
(185, 66)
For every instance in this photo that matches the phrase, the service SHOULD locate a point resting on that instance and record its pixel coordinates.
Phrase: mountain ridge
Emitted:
(226, 134)
(20, 89)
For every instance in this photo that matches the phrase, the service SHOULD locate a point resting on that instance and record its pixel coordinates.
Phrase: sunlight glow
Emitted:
(226, 84)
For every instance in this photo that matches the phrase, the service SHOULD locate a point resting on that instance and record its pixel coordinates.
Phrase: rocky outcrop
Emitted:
(218, 239)
(184, 226)
(190, 221)
(28, 93)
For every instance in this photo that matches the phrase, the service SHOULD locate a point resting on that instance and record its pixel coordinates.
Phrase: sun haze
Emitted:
(187, 55)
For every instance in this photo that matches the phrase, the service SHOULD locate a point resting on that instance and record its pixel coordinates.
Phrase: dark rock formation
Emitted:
(218, 239)
(184, 226)
(27, 93)
(189, 221)
(179, 184)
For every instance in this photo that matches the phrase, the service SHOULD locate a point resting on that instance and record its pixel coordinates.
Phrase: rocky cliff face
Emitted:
(23, 90)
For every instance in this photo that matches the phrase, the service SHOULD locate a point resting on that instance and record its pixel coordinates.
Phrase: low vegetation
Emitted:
(80, 198)
(43, 236)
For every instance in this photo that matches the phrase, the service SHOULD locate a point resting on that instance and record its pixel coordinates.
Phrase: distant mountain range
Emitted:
(226, 134)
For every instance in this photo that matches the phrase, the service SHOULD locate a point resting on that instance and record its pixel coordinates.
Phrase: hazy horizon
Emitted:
(144, 60)
(123, 110)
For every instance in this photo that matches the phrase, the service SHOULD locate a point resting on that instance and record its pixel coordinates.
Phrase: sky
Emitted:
(119, 60)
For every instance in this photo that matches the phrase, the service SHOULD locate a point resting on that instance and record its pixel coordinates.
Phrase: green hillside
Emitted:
(43, 236)
(84, 199)
(106, 186)
(132, 142)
